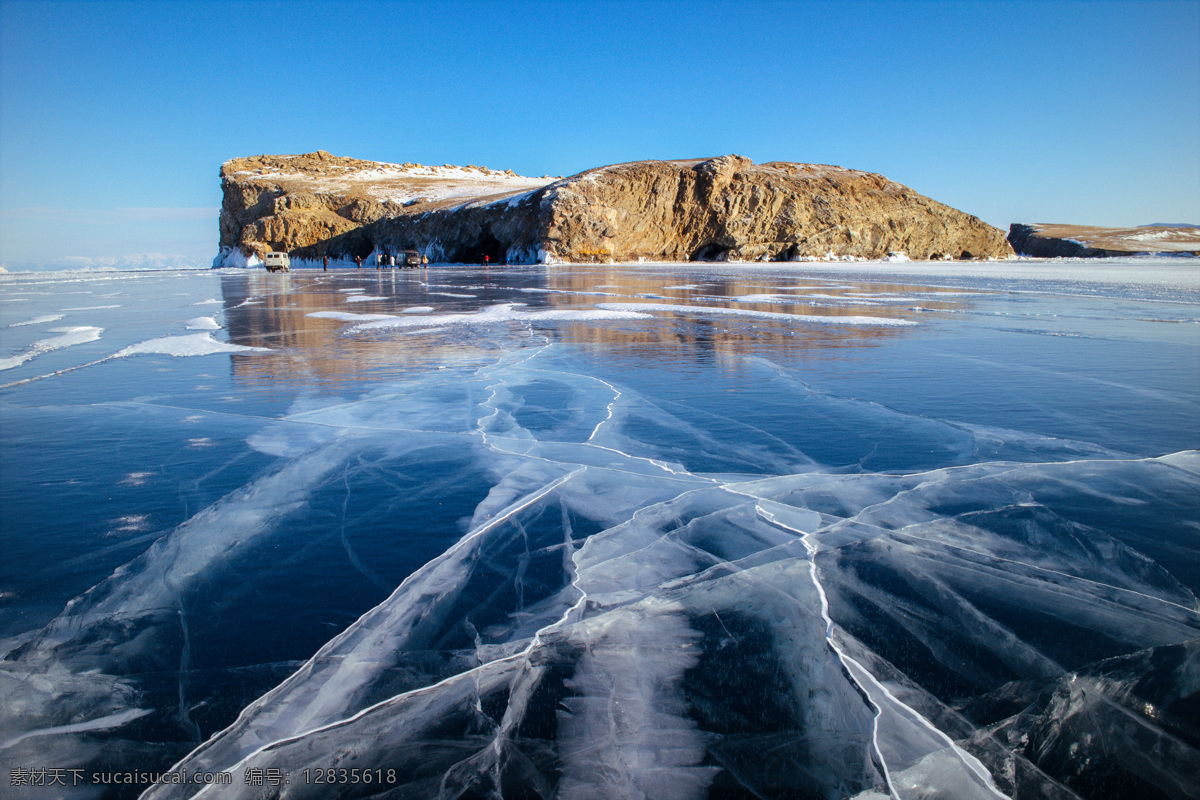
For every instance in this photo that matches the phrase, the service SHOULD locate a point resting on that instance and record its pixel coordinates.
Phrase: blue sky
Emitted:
(116, 117)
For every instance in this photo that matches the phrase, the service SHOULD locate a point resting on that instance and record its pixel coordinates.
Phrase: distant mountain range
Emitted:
(134, 261)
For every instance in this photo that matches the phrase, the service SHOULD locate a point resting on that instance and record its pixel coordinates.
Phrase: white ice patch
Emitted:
(67, 338)
(136, 478)
(100, 724)
(347, 316)
(804, 299)
(130, 523)
(38, 320)
(539, 290)
(622, 733)
(679, 308)
(505, 312)
(362, 298)
(196, 344)
(203, 324)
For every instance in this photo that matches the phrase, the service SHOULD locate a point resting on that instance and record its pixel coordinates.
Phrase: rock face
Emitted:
(1085, 241)
(728, 208)
(717, 209)
(318, 204)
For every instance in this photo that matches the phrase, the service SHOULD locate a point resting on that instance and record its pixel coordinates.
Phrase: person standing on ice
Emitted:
(325, 263)
(358, 261)
(486, 259)
(424, 261)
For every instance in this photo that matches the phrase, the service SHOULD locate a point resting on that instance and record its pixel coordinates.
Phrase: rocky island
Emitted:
(718, 209)
(1043, 240)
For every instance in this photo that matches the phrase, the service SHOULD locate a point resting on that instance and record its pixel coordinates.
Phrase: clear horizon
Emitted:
(116, 117)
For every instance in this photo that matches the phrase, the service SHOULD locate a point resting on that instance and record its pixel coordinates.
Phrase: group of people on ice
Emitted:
(407, 258)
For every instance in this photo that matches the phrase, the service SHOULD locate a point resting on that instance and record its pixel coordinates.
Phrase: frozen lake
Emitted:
(661, 531)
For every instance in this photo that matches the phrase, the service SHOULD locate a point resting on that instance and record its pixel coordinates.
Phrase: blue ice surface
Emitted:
(510, 525)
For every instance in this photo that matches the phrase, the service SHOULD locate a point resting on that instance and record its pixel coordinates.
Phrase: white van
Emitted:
(278, 262)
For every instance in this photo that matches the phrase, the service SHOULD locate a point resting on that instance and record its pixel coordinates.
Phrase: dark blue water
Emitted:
(603, 531)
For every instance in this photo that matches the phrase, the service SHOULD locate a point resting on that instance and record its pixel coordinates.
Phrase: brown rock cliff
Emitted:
(717, 209)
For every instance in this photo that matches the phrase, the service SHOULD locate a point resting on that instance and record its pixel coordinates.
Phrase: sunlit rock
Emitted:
(719, 209)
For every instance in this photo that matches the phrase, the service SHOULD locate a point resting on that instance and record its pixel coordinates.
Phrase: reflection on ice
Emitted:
(680, 308)
(560, 582)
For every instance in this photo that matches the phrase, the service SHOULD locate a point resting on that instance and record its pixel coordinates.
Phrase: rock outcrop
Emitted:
(1085, 241)
(319, 204)
(716, 209)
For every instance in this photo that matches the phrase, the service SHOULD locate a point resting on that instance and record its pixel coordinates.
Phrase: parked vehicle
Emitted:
(278, 262)
(410, 258)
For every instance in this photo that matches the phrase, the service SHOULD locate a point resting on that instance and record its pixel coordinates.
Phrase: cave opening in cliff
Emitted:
(352, 244)
(710, 251)
(486, 245)
(787, 254)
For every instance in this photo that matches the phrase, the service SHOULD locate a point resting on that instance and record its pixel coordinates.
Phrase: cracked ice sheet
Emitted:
(623, 657)
(595, 539)
(680, 551)
(75, 662)
(687, 537)
(140, 607)
(381, 653)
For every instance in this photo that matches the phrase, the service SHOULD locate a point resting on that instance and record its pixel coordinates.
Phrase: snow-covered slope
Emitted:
(400, 184)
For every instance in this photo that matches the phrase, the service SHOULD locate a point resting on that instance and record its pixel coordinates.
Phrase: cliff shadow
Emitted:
(486, 245)
(349, 245)
(710, 251)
